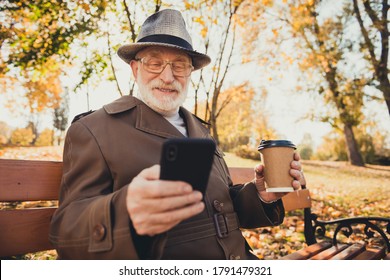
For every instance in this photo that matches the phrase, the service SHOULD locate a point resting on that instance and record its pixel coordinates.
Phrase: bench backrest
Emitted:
(27, 230)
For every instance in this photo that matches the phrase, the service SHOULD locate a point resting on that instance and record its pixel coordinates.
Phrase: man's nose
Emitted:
(167, 75)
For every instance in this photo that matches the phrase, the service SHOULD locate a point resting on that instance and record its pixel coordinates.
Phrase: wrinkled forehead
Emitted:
(165, 53)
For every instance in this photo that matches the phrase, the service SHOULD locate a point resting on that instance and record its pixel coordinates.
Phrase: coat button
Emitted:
(234, 257)
(218, 205)
(99, 232)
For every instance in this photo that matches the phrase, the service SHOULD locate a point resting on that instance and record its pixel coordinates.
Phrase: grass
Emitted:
(338, 190)
(352, 190)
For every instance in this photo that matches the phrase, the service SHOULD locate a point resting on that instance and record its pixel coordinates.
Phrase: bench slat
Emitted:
(292, 201)
(28, 180)
(328, 253)
(27, 231)
(371, 254)
(309, 251)
(349, 253)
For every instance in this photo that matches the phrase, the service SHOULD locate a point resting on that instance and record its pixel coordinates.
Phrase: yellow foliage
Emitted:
(240, 122)
(85, 7)
(267, 2)
(22, 136)
(187, 5)
(43, 87)
(199, 20)
(203, 32)
(45, 138)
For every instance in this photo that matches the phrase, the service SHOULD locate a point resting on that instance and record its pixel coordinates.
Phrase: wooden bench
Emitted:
(26, 230)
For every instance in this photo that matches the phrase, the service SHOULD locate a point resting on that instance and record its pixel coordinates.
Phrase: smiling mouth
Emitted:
(168, 90)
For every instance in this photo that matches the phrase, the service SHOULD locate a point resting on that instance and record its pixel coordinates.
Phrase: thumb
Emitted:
(151, 173)
(259, 171)
(259, 177)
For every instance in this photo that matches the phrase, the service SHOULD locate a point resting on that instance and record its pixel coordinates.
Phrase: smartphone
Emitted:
(188, 160)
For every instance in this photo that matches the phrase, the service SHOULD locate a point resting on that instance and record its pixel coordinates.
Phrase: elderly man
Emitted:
(113, 204)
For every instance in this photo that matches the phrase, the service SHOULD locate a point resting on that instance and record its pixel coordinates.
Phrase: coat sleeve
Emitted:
(91, 221)
(251, 211)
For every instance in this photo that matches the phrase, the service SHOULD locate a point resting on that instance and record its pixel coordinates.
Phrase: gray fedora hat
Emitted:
(165, 28)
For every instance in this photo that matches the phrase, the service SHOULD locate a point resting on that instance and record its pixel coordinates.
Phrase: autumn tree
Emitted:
(119, 24)
(322, 49)
(87, 33)
(22, 136)
(216, 23)
(371, 140)
(373, 20)
(36, 39)
(325, 48)
(45, 138)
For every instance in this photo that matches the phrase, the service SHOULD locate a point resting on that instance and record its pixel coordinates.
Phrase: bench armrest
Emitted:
(374, 227)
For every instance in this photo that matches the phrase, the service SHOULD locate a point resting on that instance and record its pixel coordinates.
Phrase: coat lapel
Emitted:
(193, 128)
(147, 120)
(151, 122)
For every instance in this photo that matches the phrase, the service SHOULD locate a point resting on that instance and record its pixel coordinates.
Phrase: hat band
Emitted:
(166, 39)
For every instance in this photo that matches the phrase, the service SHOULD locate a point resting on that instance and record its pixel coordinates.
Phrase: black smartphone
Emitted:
(188, 160)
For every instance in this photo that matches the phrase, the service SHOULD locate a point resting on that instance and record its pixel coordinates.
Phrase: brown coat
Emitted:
(103, 152)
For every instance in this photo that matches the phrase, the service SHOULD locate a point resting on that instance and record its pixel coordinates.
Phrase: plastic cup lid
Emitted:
(275, 143)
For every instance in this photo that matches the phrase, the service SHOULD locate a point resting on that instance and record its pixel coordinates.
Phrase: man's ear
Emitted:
(134, 67)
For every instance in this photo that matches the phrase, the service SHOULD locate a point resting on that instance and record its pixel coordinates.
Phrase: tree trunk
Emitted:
(355, 158)
(385, 88)
(214, 130)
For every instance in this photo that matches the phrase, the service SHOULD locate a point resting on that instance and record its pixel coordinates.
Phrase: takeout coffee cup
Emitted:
(277, 155)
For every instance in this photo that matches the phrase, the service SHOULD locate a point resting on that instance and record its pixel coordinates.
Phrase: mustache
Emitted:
(175, 85)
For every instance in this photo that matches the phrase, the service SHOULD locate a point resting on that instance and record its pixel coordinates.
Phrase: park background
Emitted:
(314, 72)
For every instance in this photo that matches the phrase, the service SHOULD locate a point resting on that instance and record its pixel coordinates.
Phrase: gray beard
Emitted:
(165, 105)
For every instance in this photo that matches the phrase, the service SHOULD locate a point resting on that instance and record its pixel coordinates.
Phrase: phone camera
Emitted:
(171, 153)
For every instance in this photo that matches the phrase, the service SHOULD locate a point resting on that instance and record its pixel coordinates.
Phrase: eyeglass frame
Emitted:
(166, 62)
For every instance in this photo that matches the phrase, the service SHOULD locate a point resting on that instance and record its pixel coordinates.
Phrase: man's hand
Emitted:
(155, 206)
(295, 171)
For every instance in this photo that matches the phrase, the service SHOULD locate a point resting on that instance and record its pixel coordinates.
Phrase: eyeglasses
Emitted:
(157, 65)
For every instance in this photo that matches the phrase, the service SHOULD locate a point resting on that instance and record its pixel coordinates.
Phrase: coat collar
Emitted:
(152, 122)
(122, 104)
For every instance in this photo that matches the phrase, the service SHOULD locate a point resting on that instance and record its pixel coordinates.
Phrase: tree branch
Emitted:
(131, 23)
(367, 40)
(112, 63)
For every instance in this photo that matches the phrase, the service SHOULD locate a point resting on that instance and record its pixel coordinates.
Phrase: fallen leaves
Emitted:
(33, 153)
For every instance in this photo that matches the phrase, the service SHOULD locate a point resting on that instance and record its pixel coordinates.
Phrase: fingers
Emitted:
(172, 202)
(155, 206)
(296, 185)
(162, 222)
(299, 178)
(159, 188)
(296, 165)
(297, 172)
(173, 217)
